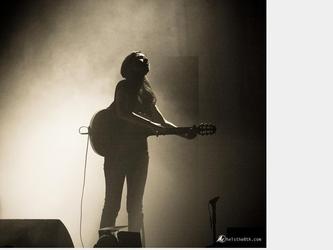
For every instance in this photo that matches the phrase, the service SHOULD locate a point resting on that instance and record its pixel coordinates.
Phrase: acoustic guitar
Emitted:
(104, 127)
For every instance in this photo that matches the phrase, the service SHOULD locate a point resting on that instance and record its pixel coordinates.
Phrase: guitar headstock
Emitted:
(205, 129)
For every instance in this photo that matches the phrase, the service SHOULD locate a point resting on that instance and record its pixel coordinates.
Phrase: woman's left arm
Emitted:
(157, 114)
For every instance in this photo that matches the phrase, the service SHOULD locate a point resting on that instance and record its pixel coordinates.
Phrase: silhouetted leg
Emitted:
(114, 181)
(136, 181)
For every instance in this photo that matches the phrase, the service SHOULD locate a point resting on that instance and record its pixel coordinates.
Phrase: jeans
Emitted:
(134, 167)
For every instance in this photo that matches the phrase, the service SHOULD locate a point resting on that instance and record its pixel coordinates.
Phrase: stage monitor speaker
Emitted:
(34, 233)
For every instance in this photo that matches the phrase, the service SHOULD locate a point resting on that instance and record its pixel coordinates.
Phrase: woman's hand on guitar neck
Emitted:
(189, 135)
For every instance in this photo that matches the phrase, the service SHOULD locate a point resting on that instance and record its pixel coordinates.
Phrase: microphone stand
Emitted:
(214, 221)
(212, 202)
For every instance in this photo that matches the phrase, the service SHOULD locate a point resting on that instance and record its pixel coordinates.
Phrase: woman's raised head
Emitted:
(134, 65)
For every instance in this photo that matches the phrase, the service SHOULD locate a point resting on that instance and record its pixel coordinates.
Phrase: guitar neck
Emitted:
(175, 131)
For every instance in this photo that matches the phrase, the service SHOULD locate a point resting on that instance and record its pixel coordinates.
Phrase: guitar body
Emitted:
(100, 130)
(107, 131)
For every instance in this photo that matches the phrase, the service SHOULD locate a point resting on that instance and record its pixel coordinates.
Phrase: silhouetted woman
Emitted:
(136, 111)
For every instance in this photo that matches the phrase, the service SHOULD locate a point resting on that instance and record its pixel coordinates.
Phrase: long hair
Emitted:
(148, 94)
(126, 66)
(126, 72)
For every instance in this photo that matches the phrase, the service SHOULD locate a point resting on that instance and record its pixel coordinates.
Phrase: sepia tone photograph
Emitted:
(133, 123)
